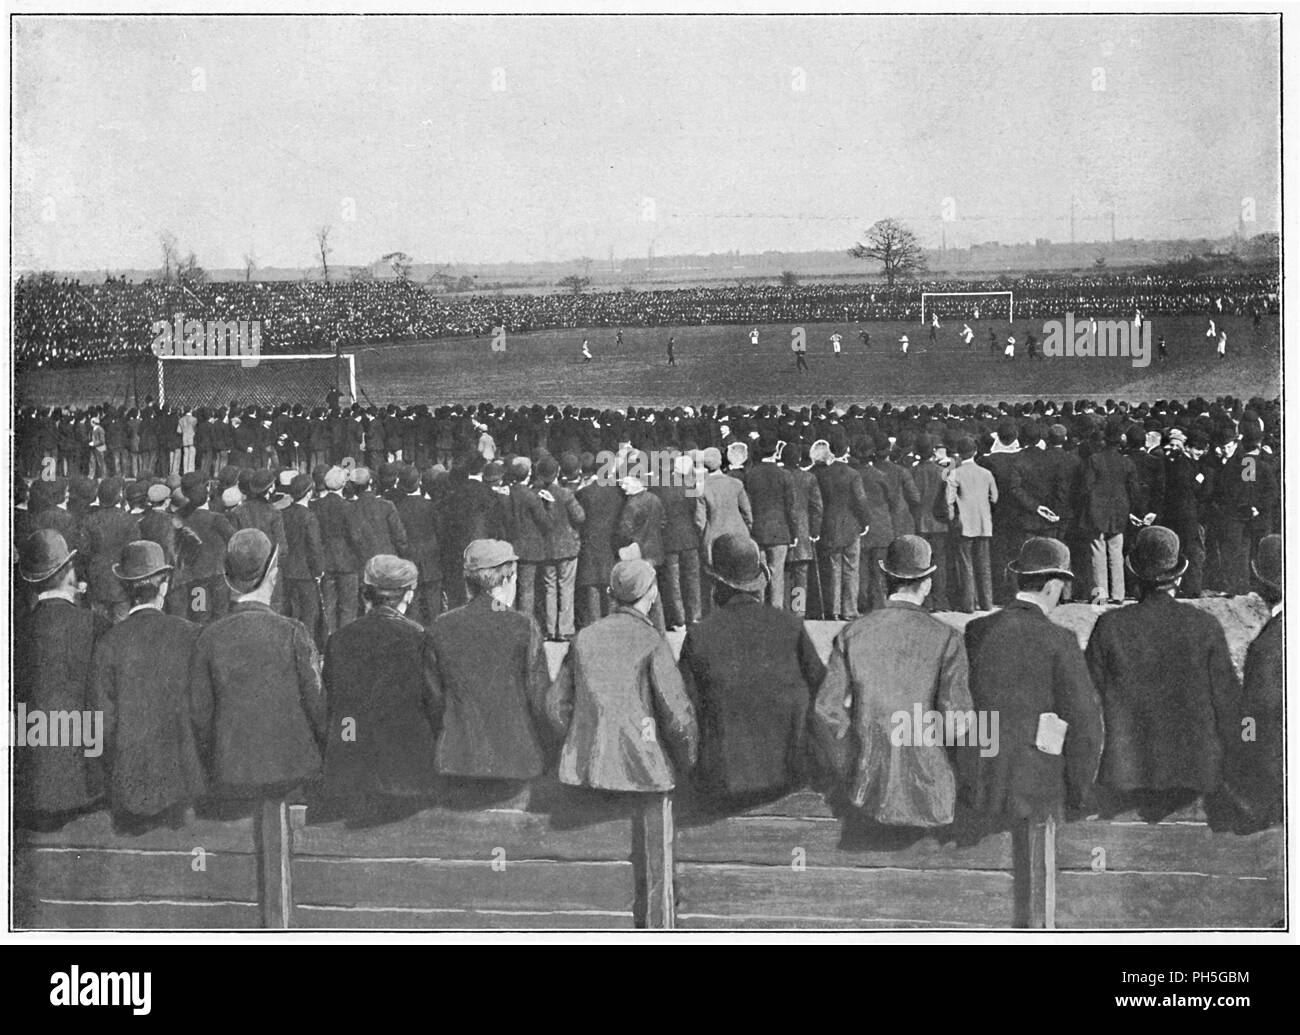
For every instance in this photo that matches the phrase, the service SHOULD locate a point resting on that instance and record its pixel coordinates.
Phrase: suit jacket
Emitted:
(972, 490)
(379, 526)
(808, 510)
(722, 507)
(255, 692)
(374, 674)
(304, 557)
(1031, 489)
(1254, 769)
(258, 513)
(1065, 476)
(530, 522)
(928, 477)
(340, 539)
(680, 532)
(750, 671)
(213, 531)
(1183, 496)
(1169, 693)
(1005, 468)
(107, 531)
(771, 495)
(470, 510)
(562, 542)
(845, 511)
(642, 522)
(880, 507)
(602, 505)
(487, 676)
(1023, 665)
(617, 682)
(892, 660)
(903, 496)
(1109, 489)
(52, 647)
(419, 517)
(141, 680)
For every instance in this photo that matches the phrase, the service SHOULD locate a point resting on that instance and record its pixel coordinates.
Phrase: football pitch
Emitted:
(720, 364)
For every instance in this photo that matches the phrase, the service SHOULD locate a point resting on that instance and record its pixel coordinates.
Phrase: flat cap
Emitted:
(384, 571)
(249, 554)
(488, 553)
(630, 580)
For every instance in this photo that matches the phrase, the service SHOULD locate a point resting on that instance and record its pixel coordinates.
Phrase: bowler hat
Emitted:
(487, 553)
(43, 553)
(384, 571)
(136, 493)
(907, 558)
(141, 560)
(630, 580)
(260, 481)
(738, 563)
(1155, 555)
(300, 486)
(1042, 556)
(493, 472)
(249, 554)
(1267, 564)
(408, 479)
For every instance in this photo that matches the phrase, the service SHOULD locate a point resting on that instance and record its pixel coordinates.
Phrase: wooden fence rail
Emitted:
(554, 858)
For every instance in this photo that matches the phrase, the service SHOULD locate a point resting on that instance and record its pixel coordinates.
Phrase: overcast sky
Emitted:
(489, 139)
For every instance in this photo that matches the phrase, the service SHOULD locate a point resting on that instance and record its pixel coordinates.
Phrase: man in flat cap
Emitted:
(488, 674)
(619, 685)
(1169, 693)
(255, 684)
(897, 660)
(205, 590)
(304, 557)
(1031, 672)
(376, 520)
(619, 680)
(52, 648)
(722, 505)
(141, 681)
(750, 670)
(341, 543)
(381, 742)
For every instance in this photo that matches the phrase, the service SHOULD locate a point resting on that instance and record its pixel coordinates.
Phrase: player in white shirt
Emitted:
(903, 342)
(934, 326)
(586, 351)
(977, 312)
(967, 335)
(1010, 350)
(836, 342)
(753, 336)
(1137, 319)
(1222, 349)
(1211, 331)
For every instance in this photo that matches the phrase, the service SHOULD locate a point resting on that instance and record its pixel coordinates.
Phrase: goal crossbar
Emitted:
(1011, 299)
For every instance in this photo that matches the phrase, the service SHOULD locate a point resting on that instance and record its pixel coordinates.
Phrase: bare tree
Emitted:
(574, 283)
(400, 263)
(188, 271)
(170, 254)
(894, 246)
(789, 279)
(250, 264)
(323, 245)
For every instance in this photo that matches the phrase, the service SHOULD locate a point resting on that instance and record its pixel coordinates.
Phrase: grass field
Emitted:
(719, 364)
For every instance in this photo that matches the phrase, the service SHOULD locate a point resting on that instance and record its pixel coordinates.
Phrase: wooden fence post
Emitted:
(652, 864)
(1033, 852)
(273, 856)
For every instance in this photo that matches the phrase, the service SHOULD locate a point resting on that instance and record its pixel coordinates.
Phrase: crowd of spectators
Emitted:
(65, 322)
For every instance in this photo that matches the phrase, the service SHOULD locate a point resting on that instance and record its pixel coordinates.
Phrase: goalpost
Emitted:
(1010, 296)
(261, 380)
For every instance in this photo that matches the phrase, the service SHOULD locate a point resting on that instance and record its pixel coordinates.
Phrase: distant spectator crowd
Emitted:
(60, 322)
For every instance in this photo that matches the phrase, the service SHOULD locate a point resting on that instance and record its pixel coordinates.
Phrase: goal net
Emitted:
(217, 381)
(968, 305)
